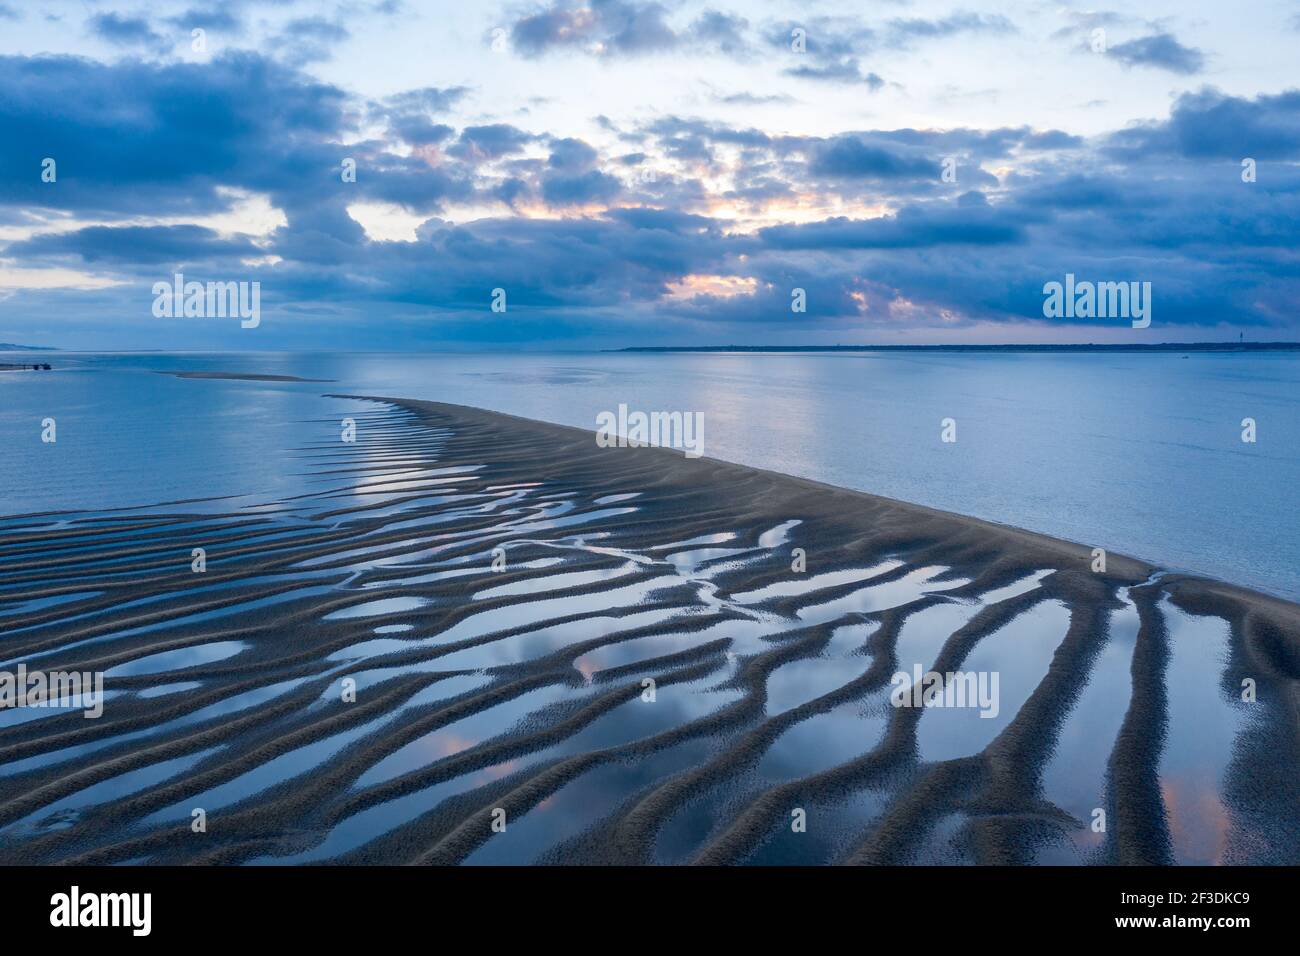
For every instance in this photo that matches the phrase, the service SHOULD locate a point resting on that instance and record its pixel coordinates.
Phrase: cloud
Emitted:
(845, 70)
(571, 155)
(825, 49)
(572, 179)
(604, 27)
(419, 131)
(153, 158)
(967, 220)
(431, 99)
(126, 31)
(215, 19)
(752, 99)
(140, 138)
(135, 246)
(484, 143)
(1084, 21)
(408, 114)
(901, 32)
(309, 39)
(852, 156)
(580, 189)
(723, 32)
(1210, 124)
(1160, 51)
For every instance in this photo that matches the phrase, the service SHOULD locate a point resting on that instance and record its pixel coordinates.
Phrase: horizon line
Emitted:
(1278, 346)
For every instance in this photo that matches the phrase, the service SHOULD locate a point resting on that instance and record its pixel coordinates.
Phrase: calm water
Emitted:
(1135, 453)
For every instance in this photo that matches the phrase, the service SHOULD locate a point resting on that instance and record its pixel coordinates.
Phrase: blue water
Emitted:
(1140, 454)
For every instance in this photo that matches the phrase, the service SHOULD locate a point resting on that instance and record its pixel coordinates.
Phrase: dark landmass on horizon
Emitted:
(245, 376)
(11, 347)
(1081, 347)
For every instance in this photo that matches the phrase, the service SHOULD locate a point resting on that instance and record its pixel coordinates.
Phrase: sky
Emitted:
(606, 173)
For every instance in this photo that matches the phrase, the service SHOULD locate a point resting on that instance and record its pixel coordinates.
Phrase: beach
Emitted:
(482, 638)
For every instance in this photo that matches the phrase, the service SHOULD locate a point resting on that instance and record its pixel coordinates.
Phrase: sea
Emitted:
(1189, 461)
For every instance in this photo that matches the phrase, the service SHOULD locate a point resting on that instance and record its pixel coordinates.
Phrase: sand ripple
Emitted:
(463, 619)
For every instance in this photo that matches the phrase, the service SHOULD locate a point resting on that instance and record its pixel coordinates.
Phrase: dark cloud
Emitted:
(126, 31)
(852, 165)
(834, 47)
(995, 143)
(571, 155)
(215, 19)
(159, 139)
(829, 49)
(1052, 139)
(822, 37)
(902, 31)
(1209, 124)
(751, 99)
(572, 179)
(308, 39)
(826, 49)
(579, 189)
(1161, 201)
(607, 27)
(484, 143)
(852, 156)
(558, 27)
(409, 114)
(1161, 51)
(635, 28)
(610, 28)
(412, 182)
(846, 70)
(960, 222)
(419, 131)
(431, 99)
(135, 246)
(723, 32)
(670, 128)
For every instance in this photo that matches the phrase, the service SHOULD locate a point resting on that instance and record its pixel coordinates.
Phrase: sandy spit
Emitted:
(504, 591)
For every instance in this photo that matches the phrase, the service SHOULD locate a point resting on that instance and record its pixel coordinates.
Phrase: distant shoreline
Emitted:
(244, 376)
(1089, 347)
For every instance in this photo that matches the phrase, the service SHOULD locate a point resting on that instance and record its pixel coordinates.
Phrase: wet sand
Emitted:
(520, 693)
